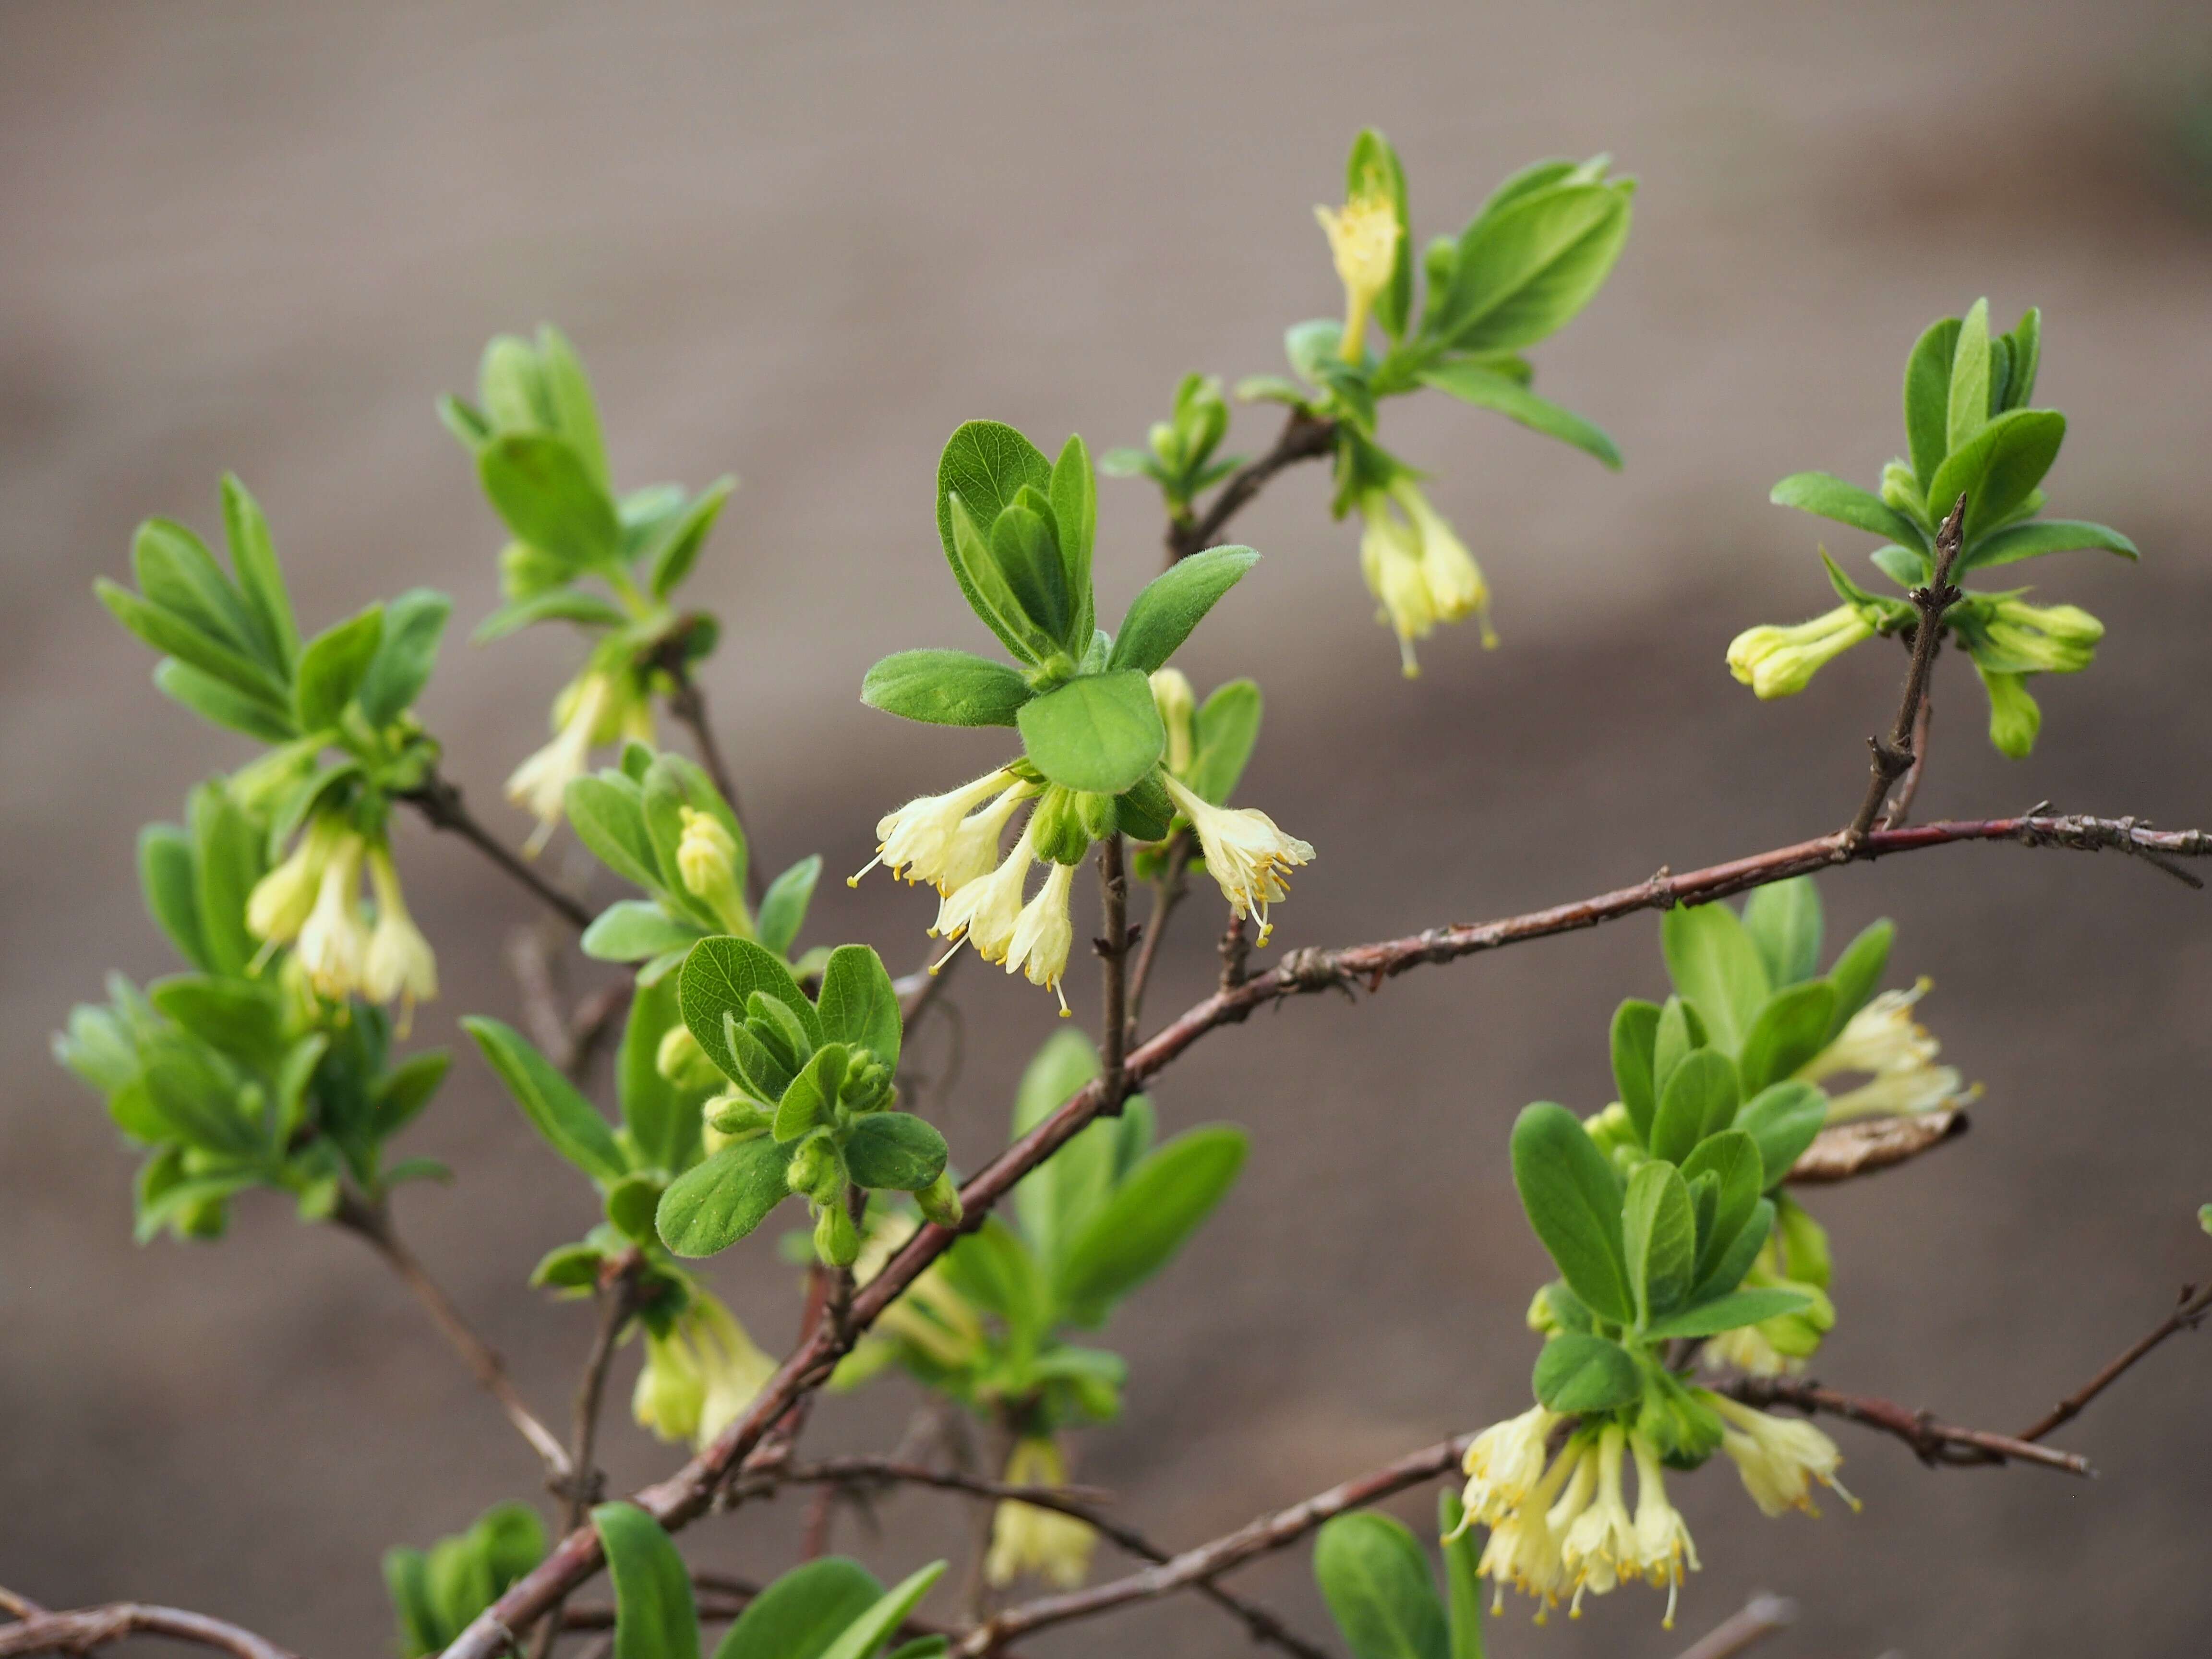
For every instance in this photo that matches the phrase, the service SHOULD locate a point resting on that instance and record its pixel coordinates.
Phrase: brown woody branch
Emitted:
(1113, 948)
(688, 1493)
(440, 804)
(1304, 438)
(2189, 1312)
(1740, 1631)
(87, 1628)
(1933, 1442)
(1898, 756)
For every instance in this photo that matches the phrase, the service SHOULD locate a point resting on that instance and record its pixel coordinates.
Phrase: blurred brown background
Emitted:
(800, 243)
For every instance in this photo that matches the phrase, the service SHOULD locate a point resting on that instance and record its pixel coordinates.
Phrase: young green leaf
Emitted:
(1831, 497)
(171, 885)
(1074, 495)
(1716, 967)
(223, 703)
(2041, 535)
(1580, 1373)
(860, 1640)
(564, 1118)
(1099, 734)
(1784, 921)
(406, 655)
(1858, 970)
(1573, 1201)
(568, 395)
(810, 1101)
(331, 667)
(1146, 1220)
(1790, 1030)
(1783, 1118)
(1967, 406)
(896, 1150)
(1161, 617)
(607, 812)
(661, 1119)
(654, 1615)
(783, 906)
(1635, 1035)
(1732, 1158)
(714, 1204)
(1998, 467)
(253, 559)
(945, 687)
(1057, 1198)
(799, 1615)
(1726, 1313)
(1524, 270)
(226, 862)
(718, 976)
(1375, 1581)
(1700, 1099)
(1927, 399)
(631, 930)
(1224, 731)
(542, 486)
(1462, 1588)
(1485, 388)
(166, 631)
(1660, 1231)
(858, 1005)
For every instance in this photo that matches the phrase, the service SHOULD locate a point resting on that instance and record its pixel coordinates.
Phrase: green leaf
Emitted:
(1659, 1230)
(713, 1205)
(1057, 1198)
(1728, 1312)
(404, 656)
(1790, 1030)
(1375, 1580)
(945, 687)
(1573, 1201)
(1858, 970)
(171, 885)
(405, 1090)
(218, 701)
(985, 464)
(1140, 1228)
(858, 1005)
(1026, 550)
(662, 1120)
(559, 604)
(976, 565)
(253, 559)
(1732, 1158)
(1581, 1373)
(810, 1101)
(1635, 1035)
(1715, 966)
(896, 1150)
(1831, 497)
(874, 1627)
(1783, 1118)
(1998, 467)
(607, 812)
(1161, 617)
(996, 1271)
(568, 395)
(1967, 406)
(1699, 1100)
(226, 862)
(1222, 731)
(1100, 733)
(566, 1120)
(1785, 922)
(783, 906)
(331, 667)
(631, 930)
(1903, 566)
(654, 1615)
(799, 1615)
(166, 631)
(197, 1095)
(542, 487)
(1928, 400)
(1462, 1588)
(2034, 539)
(1681, 1031)
(1523, 271)
(177, 573)
(676, 549)
(1074, 493)
(718, 976)
(1735, 1257)
(1485, 388)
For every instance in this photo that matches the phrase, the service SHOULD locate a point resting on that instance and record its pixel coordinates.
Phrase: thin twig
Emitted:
(687, 701)
(1892, 759)
(1113, 948)
(1856, 1149)
(2189, 1312)
(1304, 438)
(1763, 1616)
(689, 1493)
(1932, 1442)
(1167, 890)
(1901, 806)
(373, 1224)
(86, 1628)
(440, 804)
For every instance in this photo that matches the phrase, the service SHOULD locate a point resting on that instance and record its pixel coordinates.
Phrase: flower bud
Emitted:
(1057, 827)
(706, 862)
(1780, 662)
(810, 1166)
(1901, 489)
(682, 1061)
(941, 1202)
(836, 1241)
(2015, 716)
(1177, 703)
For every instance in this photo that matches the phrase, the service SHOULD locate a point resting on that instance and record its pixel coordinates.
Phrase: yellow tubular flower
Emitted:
(1027, 1538)
(1663, 1544)
(1780, 662)
(1177, 702)
(2043, 639)
(1523, 1546)
(1504, 1464)
(399, 962)
(985, 911)
(707, 864)
(1042, 934)
(972, 850)
(1598, 1548)
(915, 843)
(541, 783)
(699, 1376)
(670, 1390)
(334, 940)
(1245, 853)
(1454, 579)
(281, 902)
(1390, 560)
(1777, 1458)
(1883, 1040)
(1363, 238)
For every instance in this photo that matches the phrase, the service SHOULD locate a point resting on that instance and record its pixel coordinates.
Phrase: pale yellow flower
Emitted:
(1523, 1546)
(400, 962)
(1778, 1458)
(1504, 1464)
(1363, 239)
(1177, 703)
(699, 1377)
(1663, 1544)
(1598, 1547)
(1026, 1538)
(1245, 854)
(281, 902)
(1454, 579)
(333, 945)
(1779, 662)
(1043, 934)
(932, 839)
(540, 784)
(985, 912)
(1898, 1055)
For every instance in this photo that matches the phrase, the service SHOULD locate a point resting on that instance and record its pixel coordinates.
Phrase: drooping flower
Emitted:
(1026, 1538)
(1417, 567)
(281, 902)
(2021, 638)
(1780, 662)
(1897, 1053)
(1598, 1547)
(934, 839)
(540, 784)
(1246, 854)
(1663, 1544)
(1042, 934)
(334, 941)
(1504, 1464)
(699, 1375)
(1523, 1546)
(985, 911)
(1778, 1458)
(399, 962)
(1454, 580)
(1363, 239)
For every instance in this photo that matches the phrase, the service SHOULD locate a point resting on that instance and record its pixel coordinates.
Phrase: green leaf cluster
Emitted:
(1375, 1576)
(437, 1592)
(1017, 530)
(1091, 1224)
(1970, 433)
(630, 816)
(831, 1608)
(232, 1075)
(809, 1109)
(534, 432)
(1180, 455)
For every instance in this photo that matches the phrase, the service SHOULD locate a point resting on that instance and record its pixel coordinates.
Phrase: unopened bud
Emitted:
(941, 1202)
(1177, 703)
(1056, 829)
(836, 1241)
(707, 860)
(682, 1061)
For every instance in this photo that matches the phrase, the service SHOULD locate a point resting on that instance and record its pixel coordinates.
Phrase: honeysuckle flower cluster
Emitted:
(313, 902)
(1975, 446)
(1898, 1055)
(1417, 567)
(1027, 1538)
(701, 1371)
